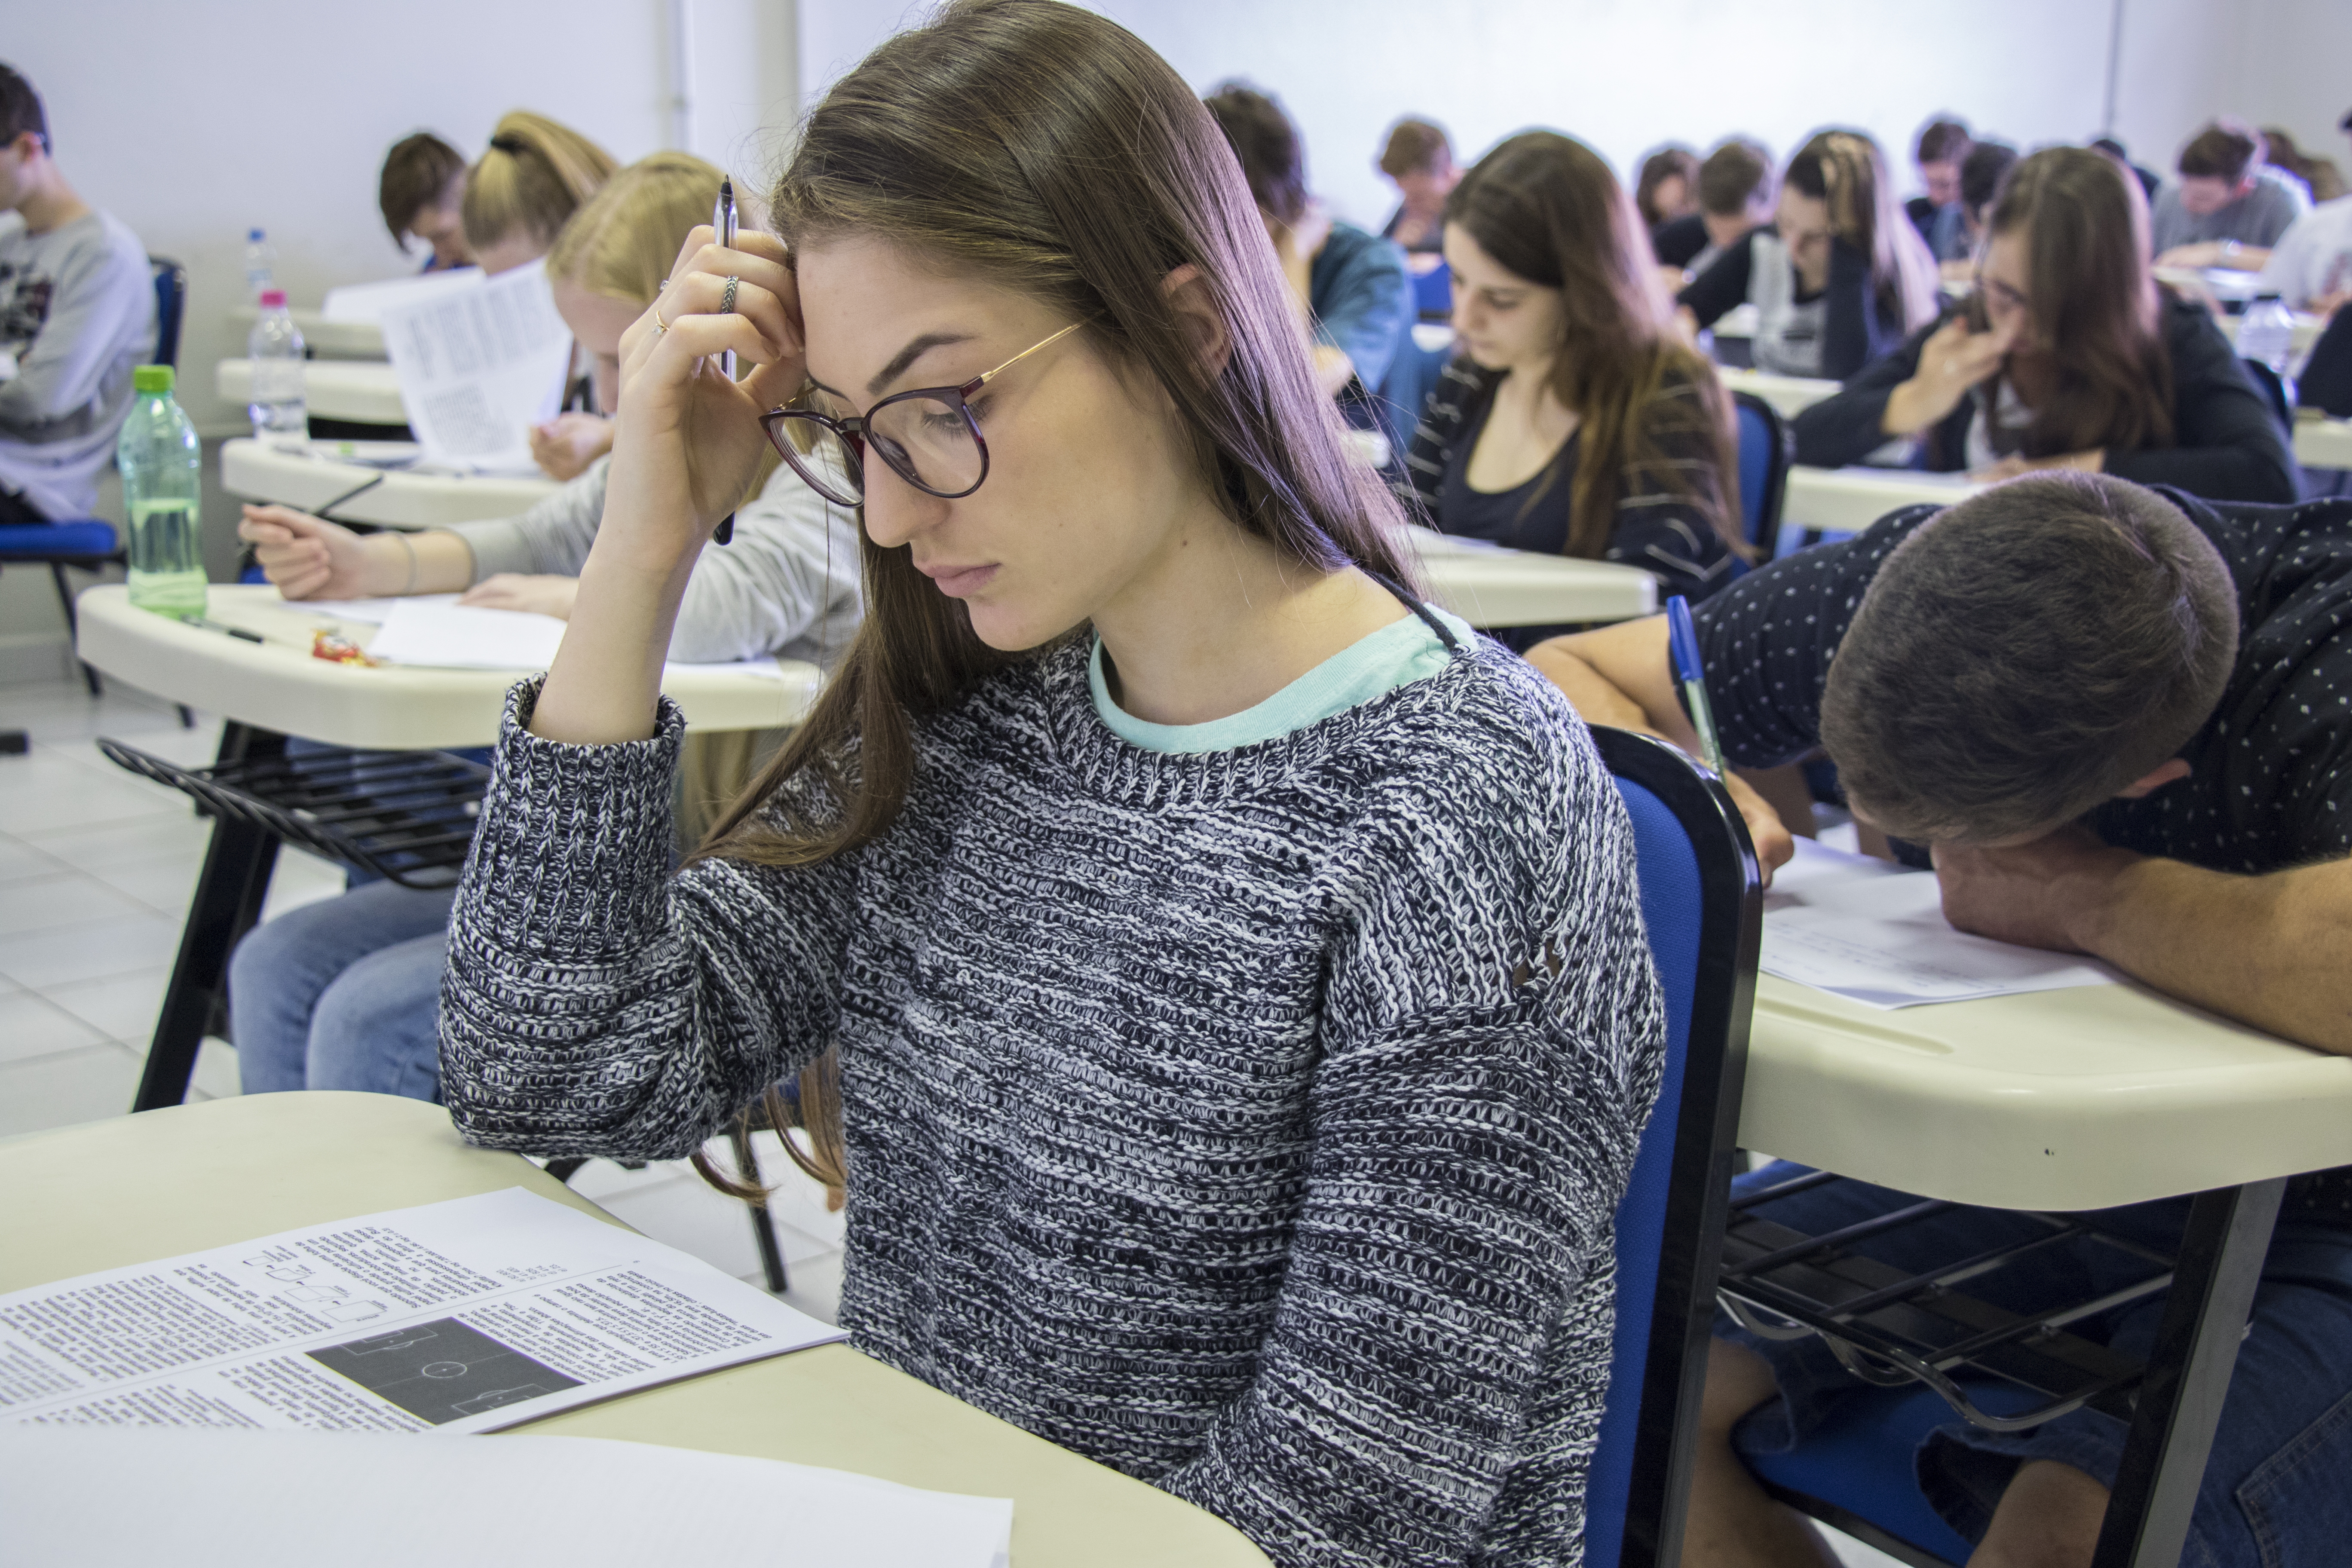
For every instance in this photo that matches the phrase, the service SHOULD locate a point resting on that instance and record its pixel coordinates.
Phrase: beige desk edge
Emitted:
(169, 1182)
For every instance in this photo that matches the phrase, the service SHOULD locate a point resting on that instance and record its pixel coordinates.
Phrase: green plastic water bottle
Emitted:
(162, 486)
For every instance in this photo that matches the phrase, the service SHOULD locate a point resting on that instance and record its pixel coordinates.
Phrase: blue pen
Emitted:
(1682, 637)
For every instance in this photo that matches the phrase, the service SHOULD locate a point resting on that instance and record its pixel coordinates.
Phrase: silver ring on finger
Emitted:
(727, 300)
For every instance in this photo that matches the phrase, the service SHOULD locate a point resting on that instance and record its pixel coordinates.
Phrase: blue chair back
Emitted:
(1763, 471)
(1703, 906)
(171, 307)
(1433, 294)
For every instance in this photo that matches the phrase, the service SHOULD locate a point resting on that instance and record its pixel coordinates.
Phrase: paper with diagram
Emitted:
(478, 367)
(1875, 932)
(462, 1316)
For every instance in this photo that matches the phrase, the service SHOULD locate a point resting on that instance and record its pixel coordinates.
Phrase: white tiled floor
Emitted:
(95, 867)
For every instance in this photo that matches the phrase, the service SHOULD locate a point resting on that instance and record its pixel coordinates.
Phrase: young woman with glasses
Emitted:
(1243, 1009)
(2068, 354)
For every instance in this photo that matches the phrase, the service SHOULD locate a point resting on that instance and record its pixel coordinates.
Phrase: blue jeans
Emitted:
(2275, 1492)
(343, 993)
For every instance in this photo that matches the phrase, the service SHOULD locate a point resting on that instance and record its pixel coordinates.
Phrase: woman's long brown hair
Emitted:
(1547, 209)
(1845, 171)
(2092, 300)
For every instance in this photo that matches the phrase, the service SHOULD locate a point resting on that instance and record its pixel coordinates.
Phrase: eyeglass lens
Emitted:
(928, 440)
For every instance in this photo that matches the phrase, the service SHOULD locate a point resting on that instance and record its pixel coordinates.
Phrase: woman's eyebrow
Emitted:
(907, 356)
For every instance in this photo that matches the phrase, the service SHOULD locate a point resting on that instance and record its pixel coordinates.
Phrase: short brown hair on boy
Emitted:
(1943, 142)
(2026, 655)
(1415, 147)
(2223, 150)
(415, 172)
(1736, 179)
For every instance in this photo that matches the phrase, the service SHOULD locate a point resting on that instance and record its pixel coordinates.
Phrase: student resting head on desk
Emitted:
(77, 313)
(1170, 877)
(341, 993)
(2119, 717)
(2068, 354)
(1840, 276)
(1573, 419)
(422, 193)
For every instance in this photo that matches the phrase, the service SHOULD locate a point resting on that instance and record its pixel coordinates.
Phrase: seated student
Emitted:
(2319, 176)
(2117, 715)
(1166, 873)
(1574, 421)
(341, 993)
(422, 191)
(519, 195)
(1350, 290)
(1942, 147)
(2310, 267)
(1667, 187)
(77, 312)
(1839, 278)
(1418, 160)
(2227, 207)
(1737, 193)
(2064, 357)
(1982, 174)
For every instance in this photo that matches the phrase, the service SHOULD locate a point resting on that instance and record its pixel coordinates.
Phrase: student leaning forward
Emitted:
(2120, 720)
(1245, 1018)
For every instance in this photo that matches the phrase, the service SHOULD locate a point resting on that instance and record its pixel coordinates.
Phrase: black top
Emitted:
(1678, 240)
(2327, 381)
(1922, 214)
(2270, 773)
(1431, 243)
(2227, 445)
(1861, 325)
(1656, 529)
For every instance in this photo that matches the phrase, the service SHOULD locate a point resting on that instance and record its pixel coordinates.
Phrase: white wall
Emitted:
(193, 124)
(1626, 74)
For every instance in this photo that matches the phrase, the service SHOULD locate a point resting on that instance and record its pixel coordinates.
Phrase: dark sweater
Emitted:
(1860, 323)
(1220, 1117)
(2227, 446)
(1678, 241)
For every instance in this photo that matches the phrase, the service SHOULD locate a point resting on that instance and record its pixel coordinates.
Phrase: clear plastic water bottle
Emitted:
(161, 465)
(260, 264)
(280, 412)
(2266, 333)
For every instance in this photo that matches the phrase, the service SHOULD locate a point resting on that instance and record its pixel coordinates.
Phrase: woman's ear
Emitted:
(1198, 318)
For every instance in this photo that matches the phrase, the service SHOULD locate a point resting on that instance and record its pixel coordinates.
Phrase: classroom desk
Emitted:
(198, 1176)
(2224, 284)
(1490, 586)
(274, 688)
(2324, 443)
(1790, 395)
(358, 391)
(325, 338)
(2062, 1101)
(2307, 327)
(387, 498)
(1846, 500)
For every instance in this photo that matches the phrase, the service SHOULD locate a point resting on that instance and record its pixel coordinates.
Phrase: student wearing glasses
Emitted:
(1245, 1019)
(2137, 381)
(1838, 277)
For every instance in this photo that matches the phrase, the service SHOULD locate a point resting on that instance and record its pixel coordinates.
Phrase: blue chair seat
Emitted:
(88, 541)
(1859, 1462)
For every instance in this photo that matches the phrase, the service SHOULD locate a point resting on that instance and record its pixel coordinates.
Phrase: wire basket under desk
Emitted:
(407, 816)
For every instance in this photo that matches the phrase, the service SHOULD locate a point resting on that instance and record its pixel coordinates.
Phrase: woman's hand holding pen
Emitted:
(1951, 362)
(686, 446)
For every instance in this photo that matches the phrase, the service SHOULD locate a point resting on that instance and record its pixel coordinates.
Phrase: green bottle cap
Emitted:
(151, 378)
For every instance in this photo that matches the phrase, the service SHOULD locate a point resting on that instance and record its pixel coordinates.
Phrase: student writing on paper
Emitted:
(1574, 420)
(518, 196)
(2119, 716)
(1839, 278)
(422, 193)
(341, 993)
(77, 312)
(2227, 206)
(1172, 880)
(2069, 354)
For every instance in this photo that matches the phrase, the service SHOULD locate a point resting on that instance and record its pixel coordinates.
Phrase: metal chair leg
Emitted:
(73, 628)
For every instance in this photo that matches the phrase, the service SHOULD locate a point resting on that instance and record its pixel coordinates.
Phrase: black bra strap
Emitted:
(1429, 618)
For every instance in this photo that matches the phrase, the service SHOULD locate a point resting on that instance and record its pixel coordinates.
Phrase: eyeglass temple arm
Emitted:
(984, 377)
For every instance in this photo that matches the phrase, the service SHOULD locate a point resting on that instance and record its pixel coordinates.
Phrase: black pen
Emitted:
(237, 632)
(722, 224)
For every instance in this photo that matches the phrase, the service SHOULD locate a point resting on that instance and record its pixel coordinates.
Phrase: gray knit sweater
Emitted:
(1252, 1121)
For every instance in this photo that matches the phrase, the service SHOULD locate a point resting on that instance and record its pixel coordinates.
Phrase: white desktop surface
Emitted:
(1790, 395)
(2324, 443)
(1489, 586)
(1846, 500)
(403, 498)
(336, 340)
(362, 392)
(277, 685)
(164, 1182)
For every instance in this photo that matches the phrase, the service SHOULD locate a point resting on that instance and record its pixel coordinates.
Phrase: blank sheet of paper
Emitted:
(197, 1499)
(1875, 932)
(442, 635)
